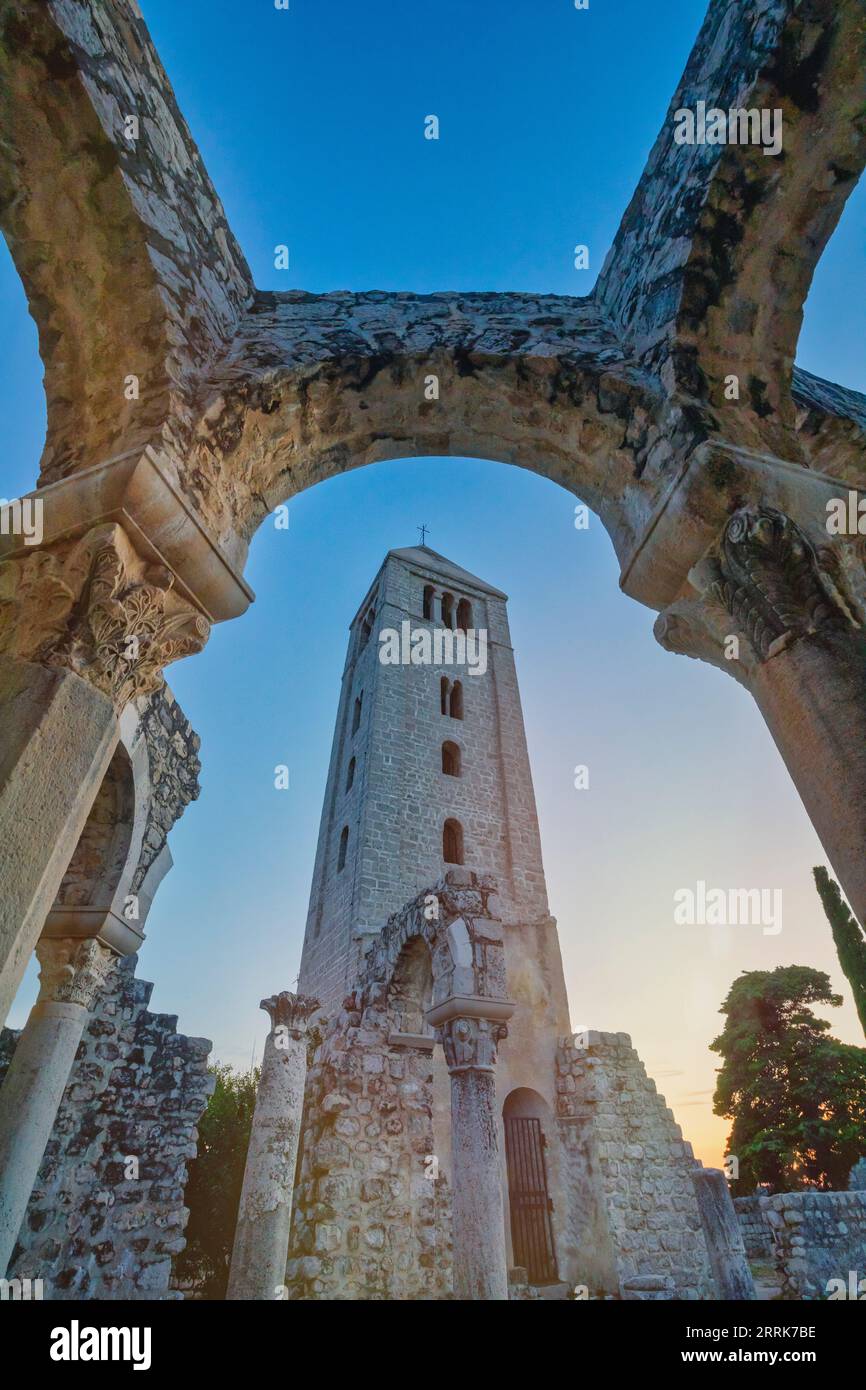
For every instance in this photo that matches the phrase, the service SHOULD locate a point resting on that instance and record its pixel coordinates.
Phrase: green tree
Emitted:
(213, 1191)
(849, 938)
(797, 1097)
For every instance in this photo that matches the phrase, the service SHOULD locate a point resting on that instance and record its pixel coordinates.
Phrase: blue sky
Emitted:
(311, 124)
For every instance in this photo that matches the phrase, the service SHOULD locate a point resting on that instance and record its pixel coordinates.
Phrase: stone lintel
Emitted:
(470, 1006)
(715, 480)
(136, 491)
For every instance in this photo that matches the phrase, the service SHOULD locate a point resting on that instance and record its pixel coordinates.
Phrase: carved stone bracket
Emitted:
(764, 581)
(94, 606)
(291, 1011)
(773, 582)
(72, 971)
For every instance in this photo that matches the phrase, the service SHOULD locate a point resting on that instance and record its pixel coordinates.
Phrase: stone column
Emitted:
(72, 974)
(86, 625)
(57, 737)
(723, 1236)
(480, 1261)
(801, 652)
(261, 1246)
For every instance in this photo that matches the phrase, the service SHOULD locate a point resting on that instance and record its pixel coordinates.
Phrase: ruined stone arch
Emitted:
(122, 855)
(410, 990)
(452, 921)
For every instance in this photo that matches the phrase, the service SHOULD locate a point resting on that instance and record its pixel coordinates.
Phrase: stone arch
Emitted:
(410, 990)
(95, 896)
(122, 855)
(460, 932)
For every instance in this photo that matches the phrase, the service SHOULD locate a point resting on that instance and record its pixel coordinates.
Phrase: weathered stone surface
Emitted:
(815, 1239)
(634, 1211)
(108, 1200)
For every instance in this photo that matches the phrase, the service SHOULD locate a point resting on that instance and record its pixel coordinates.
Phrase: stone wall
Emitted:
(814, 1237)
(372, 1217)
(635, 1218)
(106, 1214)
(756, 1231)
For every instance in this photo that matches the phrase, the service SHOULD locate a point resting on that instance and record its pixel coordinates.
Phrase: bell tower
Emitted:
(429, 771)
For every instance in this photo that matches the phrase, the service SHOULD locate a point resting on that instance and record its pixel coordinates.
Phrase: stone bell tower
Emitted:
(429, 777)
(429, 769)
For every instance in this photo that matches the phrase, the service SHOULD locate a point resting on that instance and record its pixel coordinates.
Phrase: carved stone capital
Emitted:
(72, 971)
(773, 582)
(95, 606)
(291, 1011)
(470, 1043)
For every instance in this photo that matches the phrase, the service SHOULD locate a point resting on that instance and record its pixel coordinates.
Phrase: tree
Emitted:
(849, 938)
(797, 1097)
(216, 1175)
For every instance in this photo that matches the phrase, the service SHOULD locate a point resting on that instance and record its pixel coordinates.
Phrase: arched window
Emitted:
(464, 615)
(448, 610)
(452, 842)
(344, 845)
(444, 688)
(367, 628)
(428, 601)
(456, 701)
(450, 759)
(356, 717)
(350, 775)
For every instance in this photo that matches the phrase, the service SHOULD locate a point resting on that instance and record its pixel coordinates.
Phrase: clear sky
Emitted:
(311, 124)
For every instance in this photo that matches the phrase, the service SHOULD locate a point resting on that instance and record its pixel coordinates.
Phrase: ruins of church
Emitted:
(455, 1136)
(426, 1126)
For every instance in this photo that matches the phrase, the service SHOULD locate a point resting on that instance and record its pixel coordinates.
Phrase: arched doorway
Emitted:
(527, 1122)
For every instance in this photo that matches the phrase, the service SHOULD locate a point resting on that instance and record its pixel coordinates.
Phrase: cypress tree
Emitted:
(848, 936)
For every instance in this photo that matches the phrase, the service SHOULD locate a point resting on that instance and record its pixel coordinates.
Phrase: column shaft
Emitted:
(813, 698)
(31, 1094)
(480, 1262)
(57, 736)
(258, 1267)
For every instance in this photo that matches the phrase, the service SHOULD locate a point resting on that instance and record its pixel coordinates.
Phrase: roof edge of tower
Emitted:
(428, 559)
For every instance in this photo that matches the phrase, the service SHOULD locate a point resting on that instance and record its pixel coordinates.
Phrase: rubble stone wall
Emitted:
(814, 1237)
(106, 1215)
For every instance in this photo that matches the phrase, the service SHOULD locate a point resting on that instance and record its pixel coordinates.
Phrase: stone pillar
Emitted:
(258, 1268)
(723, 1236)
(480, 1261)
(70, 979)
(57, 736)
(801, 652)
(86, 626)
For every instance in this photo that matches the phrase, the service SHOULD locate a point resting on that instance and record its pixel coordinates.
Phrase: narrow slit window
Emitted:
(341, 853)
(452, 842)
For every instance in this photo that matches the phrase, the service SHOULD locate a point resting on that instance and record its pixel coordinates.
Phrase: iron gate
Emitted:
(528, 1199)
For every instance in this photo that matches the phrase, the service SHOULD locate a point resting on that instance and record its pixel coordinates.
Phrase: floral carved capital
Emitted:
(470, 1043)
(291, 1011)
(72, 971)
(773, 582)
(95, 606)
